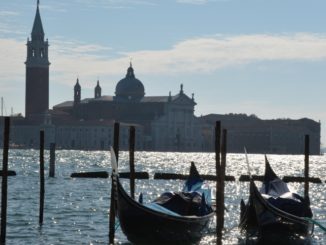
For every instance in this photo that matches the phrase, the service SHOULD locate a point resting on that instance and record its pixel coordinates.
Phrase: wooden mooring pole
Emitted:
(218, 177)
(52, 160)
(223, 166)
(132, 160)
(112, 203)
(306, 166)
(4, 187)
(42, 189)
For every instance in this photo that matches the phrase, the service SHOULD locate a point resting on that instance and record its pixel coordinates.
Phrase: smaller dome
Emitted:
(130, 88)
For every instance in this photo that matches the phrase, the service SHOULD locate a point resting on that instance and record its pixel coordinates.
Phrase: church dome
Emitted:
(130, 88)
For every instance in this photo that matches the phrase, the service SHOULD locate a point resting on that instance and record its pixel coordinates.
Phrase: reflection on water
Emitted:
(76, 210)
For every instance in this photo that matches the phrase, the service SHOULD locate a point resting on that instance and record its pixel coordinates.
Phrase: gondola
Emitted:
(274, 209)
(182, 219)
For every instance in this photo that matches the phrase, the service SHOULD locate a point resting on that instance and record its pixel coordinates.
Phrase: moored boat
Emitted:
(173, 218)
(274, 209)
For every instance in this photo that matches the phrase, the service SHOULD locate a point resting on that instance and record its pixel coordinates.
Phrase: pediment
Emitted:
(182, 99)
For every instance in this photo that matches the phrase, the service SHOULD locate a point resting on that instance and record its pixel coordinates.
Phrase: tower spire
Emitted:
(37, 31)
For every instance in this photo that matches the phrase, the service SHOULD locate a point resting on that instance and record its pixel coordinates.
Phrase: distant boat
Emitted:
(274, 209)
(173, 218)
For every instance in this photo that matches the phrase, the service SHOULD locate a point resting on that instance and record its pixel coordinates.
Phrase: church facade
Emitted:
(168, 122)
(163, 123)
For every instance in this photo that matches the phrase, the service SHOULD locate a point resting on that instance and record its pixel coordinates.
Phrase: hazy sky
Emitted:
(263, 57)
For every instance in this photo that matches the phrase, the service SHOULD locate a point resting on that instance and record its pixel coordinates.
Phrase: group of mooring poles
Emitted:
(131, 175)
(220, 152)
(5, 173)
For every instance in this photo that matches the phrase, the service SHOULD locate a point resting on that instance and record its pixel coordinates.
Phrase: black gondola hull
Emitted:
(270, 219)
(142, 225)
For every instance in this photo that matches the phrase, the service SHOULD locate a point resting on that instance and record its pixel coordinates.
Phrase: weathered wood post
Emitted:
(223, 166)
(52, 160)
(4, 187)
(41, 177)
(306, 166)
(132, 160)
(112, 203)
(218, 176)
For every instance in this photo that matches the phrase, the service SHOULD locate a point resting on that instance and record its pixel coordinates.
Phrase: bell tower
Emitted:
(77, 93)
(97, 90)
(37, 70)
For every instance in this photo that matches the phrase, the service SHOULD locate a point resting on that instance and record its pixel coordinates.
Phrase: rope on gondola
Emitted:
(315, 222)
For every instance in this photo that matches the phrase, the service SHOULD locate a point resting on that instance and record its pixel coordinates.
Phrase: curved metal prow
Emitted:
(193, 173)
(269, 172)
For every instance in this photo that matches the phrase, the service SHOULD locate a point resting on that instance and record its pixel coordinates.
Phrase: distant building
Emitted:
(280, 136)
(168, 122)
(163, 123)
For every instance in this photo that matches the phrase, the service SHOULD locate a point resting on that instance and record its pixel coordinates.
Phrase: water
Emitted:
(76, 210)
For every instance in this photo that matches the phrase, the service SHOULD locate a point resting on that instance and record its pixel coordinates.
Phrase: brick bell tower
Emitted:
(37, 70)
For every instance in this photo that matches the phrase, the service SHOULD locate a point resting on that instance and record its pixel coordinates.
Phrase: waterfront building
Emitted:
(278, 136)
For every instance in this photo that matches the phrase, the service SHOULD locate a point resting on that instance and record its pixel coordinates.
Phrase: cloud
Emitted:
(193, 1)
(6, 29)
(199, 2)
(13, 55)
(4, 13)
(197, 55)
(77, 48)
(55, 7)
(115, 3)
(213, 53)
(8, 24)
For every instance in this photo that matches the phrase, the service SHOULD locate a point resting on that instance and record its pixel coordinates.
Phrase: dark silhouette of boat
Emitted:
(173, 218)
(275, 210)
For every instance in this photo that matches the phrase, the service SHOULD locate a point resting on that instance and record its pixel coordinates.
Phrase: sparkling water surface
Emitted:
(77, 210)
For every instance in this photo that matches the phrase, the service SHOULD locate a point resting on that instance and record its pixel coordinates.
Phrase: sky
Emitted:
(260, 57)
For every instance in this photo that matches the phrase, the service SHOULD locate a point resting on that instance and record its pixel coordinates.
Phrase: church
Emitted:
(167, 122)
(163, 123)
